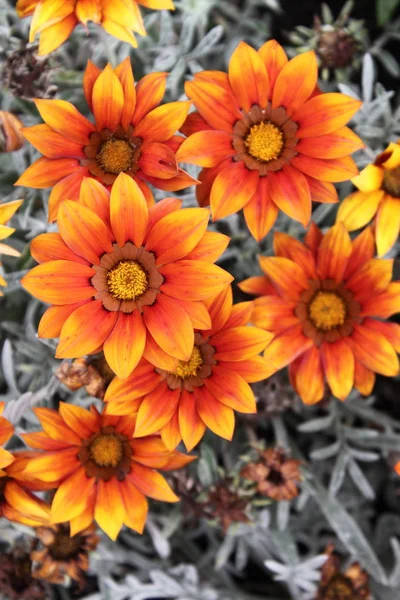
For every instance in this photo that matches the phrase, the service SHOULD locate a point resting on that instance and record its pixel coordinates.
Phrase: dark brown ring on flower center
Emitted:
(192, 373)
(110, 153)
(106, 454)
(127, 278)
(313, 311)
(64, 547)
(278, 131)
(391, 182)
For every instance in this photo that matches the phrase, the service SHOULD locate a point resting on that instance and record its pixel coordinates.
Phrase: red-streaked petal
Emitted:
(157, 160)
(260, 212)
(290, 192)
(65, 119)
(231, 389)
(128, 211)
(149, 93)
(340, 142)
(373, 278)
(125, 75)
(233, 187)
(333, 169)
(252, 370)
(287, 346)
(206, 148)
(211, 246)
(374, 351)
(296, 82)
(170, 433)
(55, 427)
(53, 466)
(288, 247)
(324, 114)
(257, 286)
(383, 305)
(322, 191)
(274, 313)
(136, 506)
(53, 319)
(240, 314)
(288, 278)
(215, 102)
(52, 144)
(151, 483)
(46, 172)
(197, 312)
(109, 510)
(162, 122)
(220, 309)
(308, 376)
(193, 279)
(108, 100)
(191, 425)
(142, 381)
(51, 246)
(125, 345)
(334, 253)
(91, 74)
(364, 379)
(338, 363)
(240, 343)
(156, 356)
(248, 77)
(194, 123)
(96, 197)
(363, 251)
(275, 59)
(217, 416)
(68, 188)
(391, 331)
(80, 420)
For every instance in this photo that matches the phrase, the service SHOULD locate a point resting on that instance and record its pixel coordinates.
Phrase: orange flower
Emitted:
(17, 502)
(326, 301)
(126, 278)
(379, 197)
(182, 400)
(6, 212)
(267, 138)
(55, 20)
(100, 471)
(6, 431)
(131, 134)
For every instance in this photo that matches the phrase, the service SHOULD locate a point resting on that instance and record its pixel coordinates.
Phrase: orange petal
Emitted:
(125, 75)
(387, 224)
(52, 144)
(108, 100)
(157, 408)
(6, 430)
(85, 519)
(52, 37)
(85, 330)
(240, 314)
(334, 252)
(233, 187)
(275, 59)
(287, 346)
(51, 246)
(26, 503)
(197, 312)
(109, 510)
(96, 197)
(65, 119)
(150, 451)
(142, 381)
(338, 363)
(363, 251)
(339, 143)
(170, 433)
(151, 483)
(231, 389)
(149, 93)
(42, 441)
(170, 326)
(194, 123)
(46, 172)
(118, 30)
(373, 278)
(274, 313)
(216, 416)
(391, 331)
(215, 102)
(324, 114)
(177, 234)
(206, 148)
(309, 377)
(80, 420)
(6, 459)
(156, 356)
(178, 182)
(374, 351)
(359, 208)
(207, 178)
(290, 192)
(128, 211)
(53, 319)
(89, 78)
(55, 426)
(83, 231)
(191, 425)
(193, 279)
(136, 506)
(220, 308)
(288, 247)
(257, 286)
(313, 238)
(248, 77)
(240, 343)
(252, 370)
(211, 246)
(288, 278)
(124, 347)
(364, 379)
(53, 466)
(260, 212)
(383, 305)
(157, 160)
(162, 122)
(322, 191)
(334, 169)
(69, 187)
(59, 282)
(296, 82)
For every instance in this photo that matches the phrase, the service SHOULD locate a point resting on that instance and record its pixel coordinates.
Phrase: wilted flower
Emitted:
(268, 139)
(16, 581)
(54, 21)
(131, 134)
(11, 137)
(226, 505)
(353, 584)
(379, 197)
(277, 476)
(92, 373)
(100, 472)
(57, 554)
(27, 75)
(325, 301)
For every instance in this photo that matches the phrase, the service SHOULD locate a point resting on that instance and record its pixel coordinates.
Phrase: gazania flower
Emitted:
(131, 134)
(100, 471)
(182, 400)
(277, 476)
(55, 20)
(126, 278)
(352, 584)
(6, 212)
(58, 554)
(267, 138)
(326, 301)
(17, 502)
(379, 197)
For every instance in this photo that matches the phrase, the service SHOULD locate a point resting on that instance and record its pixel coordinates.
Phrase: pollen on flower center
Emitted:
(391, 181)
(107, 450)
(115, 156)
(327, 310)
(127, 281)
(184, 370)
(264, 141)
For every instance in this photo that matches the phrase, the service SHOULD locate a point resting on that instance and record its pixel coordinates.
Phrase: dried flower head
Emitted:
(16, 581)
(353, 584)
(58, 554)
(11, 137)
(276, 475)
(225, 504)
(27, 75)
(93, 374)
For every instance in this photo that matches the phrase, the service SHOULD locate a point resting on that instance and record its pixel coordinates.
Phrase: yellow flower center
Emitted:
(327, 310)
(106, 450)
(115, 156)
(127, 281)
(391, 182)
(184, 370)
(264, 141)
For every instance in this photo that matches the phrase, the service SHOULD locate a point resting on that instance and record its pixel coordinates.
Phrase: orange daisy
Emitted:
(204, 391)
(131, 134)
(55, 20)
(326, 302)
(267, 138)
(379, 197)
(101, 473)
(125, 278)
(6, 212)
(17, 502)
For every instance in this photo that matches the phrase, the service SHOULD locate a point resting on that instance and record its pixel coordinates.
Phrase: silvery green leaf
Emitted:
(283, 514)
(389, 62)
(346, 89)
(316, 424)
(16, 408)
(207, 43)
(360, 480)
(368, 77)
(384, 10)
(338, 473)
(326, 451)
(224, 551)
(327, 15)
(7, 364)
(364, 455)
(161, 544)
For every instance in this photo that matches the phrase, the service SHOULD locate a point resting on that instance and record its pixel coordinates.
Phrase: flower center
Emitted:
(339, 588)
(115, 156)
(391, 182)
(327, 310)
(127, 281)
(65, 546)
(188, 369)
(264, 141)
(106, 450)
